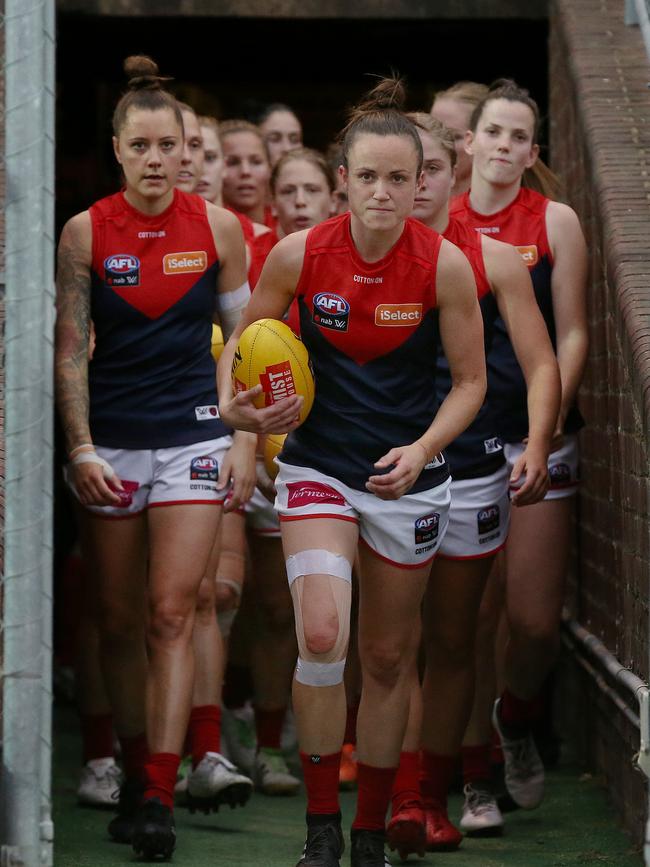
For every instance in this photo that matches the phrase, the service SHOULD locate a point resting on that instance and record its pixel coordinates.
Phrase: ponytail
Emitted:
(144, 91)
(381, 112)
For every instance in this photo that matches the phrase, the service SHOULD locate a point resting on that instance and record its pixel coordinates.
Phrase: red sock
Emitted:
(268, 725)
(374, 786)
(161, 771)
(204, 731)
(322, 782)
(350, 736)
(515, 711)
(96, 735)
(406, 787)
(436, 774)
(476, 763)
(135, 754)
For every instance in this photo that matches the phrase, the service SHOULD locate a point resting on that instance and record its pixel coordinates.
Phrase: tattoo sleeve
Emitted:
(72, 334)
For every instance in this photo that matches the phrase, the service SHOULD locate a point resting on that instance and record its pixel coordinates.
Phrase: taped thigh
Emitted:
(321, 669)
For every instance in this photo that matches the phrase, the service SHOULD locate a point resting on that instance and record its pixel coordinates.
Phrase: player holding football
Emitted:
(372, 288)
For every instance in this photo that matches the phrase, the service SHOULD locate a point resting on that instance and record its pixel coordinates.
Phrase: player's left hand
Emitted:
(529, 478)
(408, 462)
(238, 467)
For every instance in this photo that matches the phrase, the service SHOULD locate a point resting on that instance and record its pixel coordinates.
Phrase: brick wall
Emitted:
(600, 140)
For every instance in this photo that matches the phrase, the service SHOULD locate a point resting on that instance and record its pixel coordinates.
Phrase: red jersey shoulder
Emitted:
(469, 241)
(334, 232)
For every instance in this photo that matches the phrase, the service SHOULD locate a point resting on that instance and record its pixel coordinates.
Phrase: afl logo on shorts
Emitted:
(426, 528)
(205, 468)
(185, 263)
(331, 311)
(122, 269)
(488, 520)
(560, 475)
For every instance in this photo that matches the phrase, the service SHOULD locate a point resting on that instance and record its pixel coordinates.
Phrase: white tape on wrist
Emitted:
(230, 306)
(93, 458)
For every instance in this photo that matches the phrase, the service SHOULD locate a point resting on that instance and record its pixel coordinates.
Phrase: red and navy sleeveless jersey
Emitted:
(478, 450)
(152, 378)
(371, 330)
(258, 246)
(522, 223)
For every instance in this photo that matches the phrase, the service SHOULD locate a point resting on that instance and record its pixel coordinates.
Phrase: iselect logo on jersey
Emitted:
(529, 254)
(185, 263)
(122, 269)
(398, 314)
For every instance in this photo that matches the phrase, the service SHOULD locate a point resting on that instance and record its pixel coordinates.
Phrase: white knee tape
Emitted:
(319, 673)
(318, 561)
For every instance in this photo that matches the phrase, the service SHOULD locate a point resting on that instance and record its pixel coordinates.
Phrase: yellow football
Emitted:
(270, 354)
(272, 447)
(217, 342)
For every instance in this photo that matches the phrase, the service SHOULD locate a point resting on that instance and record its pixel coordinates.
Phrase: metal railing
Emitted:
(25, 816)
(637, 12)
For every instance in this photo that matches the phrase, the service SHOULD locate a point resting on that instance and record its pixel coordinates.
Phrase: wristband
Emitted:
(78, 449)
(93, 458)
(423, 447)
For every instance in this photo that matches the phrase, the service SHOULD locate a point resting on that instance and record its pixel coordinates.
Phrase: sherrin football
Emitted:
(216, 345)
(270, 354)
(272, 447)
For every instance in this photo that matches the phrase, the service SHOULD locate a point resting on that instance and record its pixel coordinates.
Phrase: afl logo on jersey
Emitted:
(331, 311)
(122, 269)
(529, 255)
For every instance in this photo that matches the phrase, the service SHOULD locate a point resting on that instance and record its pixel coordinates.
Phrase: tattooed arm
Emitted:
(72, 335)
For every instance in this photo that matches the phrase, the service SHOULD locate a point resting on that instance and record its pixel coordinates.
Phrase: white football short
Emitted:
(562, 466)
(406, 532)
(261, 516)
(180, 475)
(478, 518)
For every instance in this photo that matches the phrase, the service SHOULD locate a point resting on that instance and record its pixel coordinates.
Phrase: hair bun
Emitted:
(143, 72)
(387, 94)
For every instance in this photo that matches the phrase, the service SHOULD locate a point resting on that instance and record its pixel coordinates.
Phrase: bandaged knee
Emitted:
(321, 669)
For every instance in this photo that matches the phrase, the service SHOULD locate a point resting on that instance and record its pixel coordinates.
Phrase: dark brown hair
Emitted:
(438, 131)
(538, 177)
(307, 155)
(506, 88)
(380, 112)
(145, 91)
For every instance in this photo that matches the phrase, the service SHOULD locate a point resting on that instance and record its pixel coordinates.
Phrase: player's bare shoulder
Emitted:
(453, 273)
